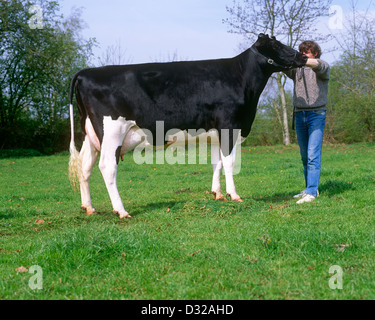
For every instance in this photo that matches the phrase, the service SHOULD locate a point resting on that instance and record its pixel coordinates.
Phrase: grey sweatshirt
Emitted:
(310, 87)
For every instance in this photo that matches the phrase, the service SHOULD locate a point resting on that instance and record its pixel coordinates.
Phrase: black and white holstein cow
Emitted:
(114, 102)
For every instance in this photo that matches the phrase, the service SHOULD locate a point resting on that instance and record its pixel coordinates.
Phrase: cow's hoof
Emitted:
(89, 211)
(213, 193)
(125, 217)
(128, 216)
(218, 196)
(122, 215)
(235, 198)
(221, 198)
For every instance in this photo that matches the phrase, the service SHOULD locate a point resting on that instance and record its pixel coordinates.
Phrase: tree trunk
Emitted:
(284, 112)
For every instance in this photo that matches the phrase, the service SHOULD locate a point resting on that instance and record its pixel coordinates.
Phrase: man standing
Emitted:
(310, 100)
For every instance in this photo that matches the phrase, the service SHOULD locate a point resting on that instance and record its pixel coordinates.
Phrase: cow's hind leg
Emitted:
(114, 134)
(228, 163)
(87, 158)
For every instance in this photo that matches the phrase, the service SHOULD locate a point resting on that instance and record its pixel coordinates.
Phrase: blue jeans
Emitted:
(310, 127)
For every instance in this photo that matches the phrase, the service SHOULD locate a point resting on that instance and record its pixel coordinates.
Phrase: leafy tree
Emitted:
(39, 53)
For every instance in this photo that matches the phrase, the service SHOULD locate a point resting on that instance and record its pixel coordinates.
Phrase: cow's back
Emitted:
(185, 95)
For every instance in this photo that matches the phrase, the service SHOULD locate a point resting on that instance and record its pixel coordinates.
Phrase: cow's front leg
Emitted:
(217, 165)
(228, 163)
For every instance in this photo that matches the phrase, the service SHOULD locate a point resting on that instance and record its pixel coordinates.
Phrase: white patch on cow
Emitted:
(114, 133)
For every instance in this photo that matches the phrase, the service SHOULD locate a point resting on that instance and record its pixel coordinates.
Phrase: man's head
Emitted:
(310, 49)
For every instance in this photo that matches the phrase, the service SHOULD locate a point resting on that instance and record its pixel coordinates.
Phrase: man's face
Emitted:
(310, 55)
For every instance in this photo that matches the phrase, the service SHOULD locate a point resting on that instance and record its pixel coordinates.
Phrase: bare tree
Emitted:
(356, 29)
(357, 46)
(114, 55)
(292, 21)
(169, 58)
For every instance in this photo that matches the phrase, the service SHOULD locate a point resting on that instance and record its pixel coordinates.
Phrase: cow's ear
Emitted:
(273, 37)
(262, 35)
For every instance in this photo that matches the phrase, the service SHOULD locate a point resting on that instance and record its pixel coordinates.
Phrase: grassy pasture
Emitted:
(180, 244)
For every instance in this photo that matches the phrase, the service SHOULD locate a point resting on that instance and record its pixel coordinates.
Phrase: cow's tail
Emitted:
(74, 161)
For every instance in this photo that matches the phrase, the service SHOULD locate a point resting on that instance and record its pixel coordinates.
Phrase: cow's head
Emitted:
(279, 55)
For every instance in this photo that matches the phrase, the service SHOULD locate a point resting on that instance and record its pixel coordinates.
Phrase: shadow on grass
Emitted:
(277, 197)
(331, 188)
(6, 215)
(328, 188)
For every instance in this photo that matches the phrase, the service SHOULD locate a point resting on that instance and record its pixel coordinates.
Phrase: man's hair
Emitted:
(311, 46)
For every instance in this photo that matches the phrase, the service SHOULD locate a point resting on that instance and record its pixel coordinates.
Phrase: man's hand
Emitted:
(312, 63)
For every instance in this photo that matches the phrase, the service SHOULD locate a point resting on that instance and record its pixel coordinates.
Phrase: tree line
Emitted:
(40, 50)
(39, 54)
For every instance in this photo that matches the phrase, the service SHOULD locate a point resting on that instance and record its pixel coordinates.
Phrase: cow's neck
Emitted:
(258, 73)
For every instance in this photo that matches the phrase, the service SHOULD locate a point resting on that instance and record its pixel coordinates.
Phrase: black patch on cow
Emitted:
(118, 153)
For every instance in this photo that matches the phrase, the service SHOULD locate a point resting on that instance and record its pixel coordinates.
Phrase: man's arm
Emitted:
(320, 67)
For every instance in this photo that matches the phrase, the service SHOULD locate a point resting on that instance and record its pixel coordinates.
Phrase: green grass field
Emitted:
(180, 244)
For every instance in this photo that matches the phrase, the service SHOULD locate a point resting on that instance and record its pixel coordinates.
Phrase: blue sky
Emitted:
(154, 30)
